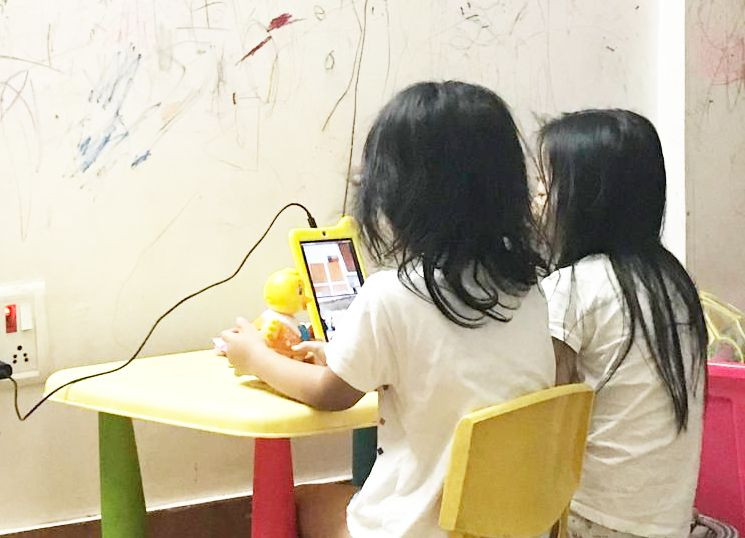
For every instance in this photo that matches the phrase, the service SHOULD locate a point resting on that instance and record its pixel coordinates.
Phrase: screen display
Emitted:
(335, 277)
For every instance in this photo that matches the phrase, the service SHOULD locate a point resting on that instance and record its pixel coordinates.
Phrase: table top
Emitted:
(199, 390)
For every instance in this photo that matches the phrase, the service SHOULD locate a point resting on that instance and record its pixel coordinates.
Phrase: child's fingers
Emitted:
(313, 350)
(309, 346)
(242, 323)
(229, 335)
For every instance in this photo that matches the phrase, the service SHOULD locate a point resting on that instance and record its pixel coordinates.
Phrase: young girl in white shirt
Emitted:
(457, 324)
(626, 319)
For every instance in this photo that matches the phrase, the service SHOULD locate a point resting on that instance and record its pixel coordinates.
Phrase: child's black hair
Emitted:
(444, 192)
(606, 195)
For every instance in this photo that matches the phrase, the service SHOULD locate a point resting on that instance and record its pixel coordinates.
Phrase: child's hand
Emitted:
(312, 350)
(243, 343)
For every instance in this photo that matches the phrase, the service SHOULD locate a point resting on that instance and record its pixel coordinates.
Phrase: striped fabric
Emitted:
(707, 527)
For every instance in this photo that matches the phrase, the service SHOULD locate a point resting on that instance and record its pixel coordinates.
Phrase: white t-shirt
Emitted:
(639, 474)
(430, 372)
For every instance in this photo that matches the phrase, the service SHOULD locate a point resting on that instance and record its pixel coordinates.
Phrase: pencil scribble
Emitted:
(722, 55)
(330, 61)
(355, 75)
(140, 159)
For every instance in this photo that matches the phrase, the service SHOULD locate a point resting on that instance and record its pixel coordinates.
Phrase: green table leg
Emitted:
(122, 499)
(364, 447)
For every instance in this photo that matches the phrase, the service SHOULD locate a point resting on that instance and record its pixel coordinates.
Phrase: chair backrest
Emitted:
(515, 466)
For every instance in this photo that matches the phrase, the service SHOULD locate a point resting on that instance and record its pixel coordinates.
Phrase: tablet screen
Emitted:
(335, 277)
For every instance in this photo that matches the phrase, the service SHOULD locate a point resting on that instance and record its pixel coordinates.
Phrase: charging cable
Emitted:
(6, 370)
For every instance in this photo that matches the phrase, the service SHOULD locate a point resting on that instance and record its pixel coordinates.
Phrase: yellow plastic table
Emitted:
(198, 390)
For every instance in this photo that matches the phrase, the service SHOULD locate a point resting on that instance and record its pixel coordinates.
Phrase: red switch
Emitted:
(11, 318)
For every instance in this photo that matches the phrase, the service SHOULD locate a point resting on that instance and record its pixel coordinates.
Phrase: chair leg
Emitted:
(122, 499)
(364, 445)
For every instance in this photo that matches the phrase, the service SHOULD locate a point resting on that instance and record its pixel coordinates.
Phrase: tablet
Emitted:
(328, 260)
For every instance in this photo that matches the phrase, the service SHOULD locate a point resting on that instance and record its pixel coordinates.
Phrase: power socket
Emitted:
(21, 352)
(23, 331)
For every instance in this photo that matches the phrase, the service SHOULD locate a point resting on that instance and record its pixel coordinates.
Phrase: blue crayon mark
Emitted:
(83, 146)
(142, 158)
(91, 154)
(113, 90)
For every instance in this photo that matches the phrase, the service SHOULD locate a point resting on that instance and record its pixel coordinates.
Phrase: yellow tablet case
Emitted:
(346, 228)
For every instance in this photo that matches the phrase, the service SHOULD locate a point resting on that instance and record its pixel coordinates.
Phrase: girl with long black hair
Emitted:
(457, 322)
(626, 319)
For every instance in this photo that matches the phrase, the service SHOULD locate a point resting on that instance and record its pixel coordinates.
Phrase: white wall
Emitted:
(669, 119)
(715, 146)
(229, 143)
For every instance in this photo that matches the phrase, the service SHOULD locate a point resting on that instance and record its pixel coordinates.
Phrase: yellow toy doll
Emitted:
(284, 296)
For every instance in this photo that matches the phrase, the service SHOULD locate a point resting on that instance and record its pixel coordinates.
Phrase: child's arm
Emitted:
(566, 363)
(312, 384)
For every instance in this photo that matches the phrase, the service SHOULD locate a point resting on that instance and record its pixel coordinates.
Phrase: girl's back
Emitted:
(639, 473)
(432, 372)
(459, 324)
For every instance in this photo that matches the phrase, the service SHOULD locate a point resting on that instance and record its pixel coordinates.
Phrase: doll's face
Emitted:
(284, 292)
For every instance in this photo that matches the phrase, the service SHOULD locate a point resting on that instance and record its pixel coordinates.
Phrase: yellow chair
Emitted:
(515, 466)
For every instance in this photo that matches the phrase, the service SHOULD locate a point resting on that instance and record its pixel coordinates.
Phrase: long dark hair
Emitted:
(606, 195)
(443, 191)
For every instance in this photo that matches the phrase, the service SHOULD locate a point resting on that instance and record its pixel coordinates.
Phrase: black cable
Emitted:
(15, 400)
(311, 223)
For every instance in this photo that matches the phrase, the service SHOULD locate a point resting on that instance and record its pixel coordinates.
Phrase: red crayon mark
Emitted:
(277, 22)
(720, 47)
(253, 50)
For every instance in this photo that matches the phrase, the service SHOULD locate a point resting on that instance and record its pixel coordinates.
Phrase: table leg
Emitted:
(122, 499)
(273, 504)
(364, 446)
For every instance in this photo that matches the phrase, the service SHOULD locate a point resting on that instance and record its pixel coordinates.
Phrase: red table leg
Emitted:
(273, 505)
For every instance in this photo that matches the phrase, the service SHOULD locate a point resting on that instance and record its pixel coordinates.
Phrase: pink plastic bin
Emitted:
(721, 480)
